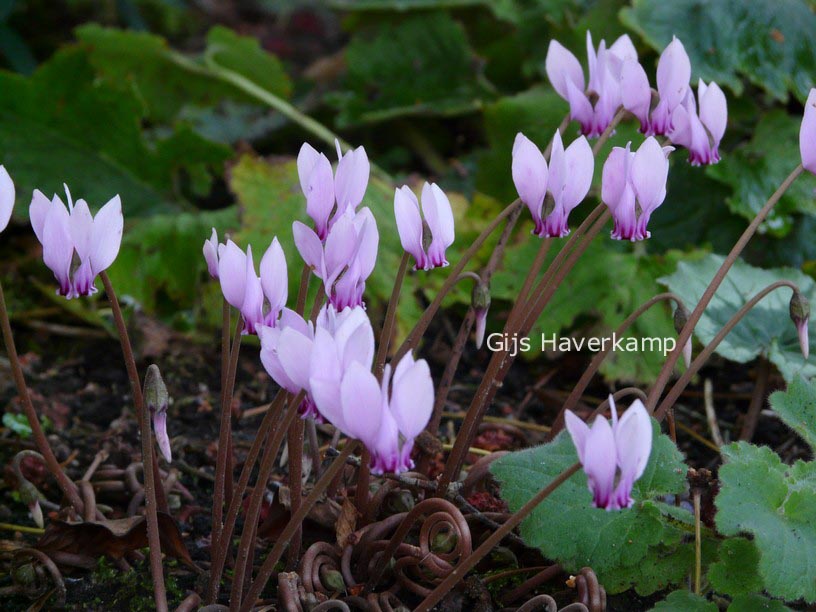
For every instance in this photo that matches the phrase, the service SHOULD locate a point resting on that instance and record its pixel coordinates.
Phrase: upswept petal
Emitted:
(232, 274)
(807, 134)
(437, 210)
(310, 248)
(562, 68)
(409, 224)
(636, 95)
(557, 177)
(579, 167)
(351, 179)
(274, 277)
(6, 197)
(58, 249)
(600, 462)
(530, 174)
(320, 195)
(271, 359)
(37, 212)
(341, 245)
(713, 110)
(252, 305)
(368, 238)
(578, 431)
(211, 254)
(362, 404)
(650, 170)
(633, 439)
(81, 227)
(615, 176)
(306, 160)
(412, 398)
(580, 108)
(294, 351)
(623, 49)
(106, 236)
(673, 74)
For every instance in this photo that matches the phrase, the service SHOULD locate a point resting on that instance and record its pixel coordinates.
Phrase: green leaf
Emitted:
(421, 65)
(775, 503)
(766, 330)
(18, 423)
(768, 42)
(567, 528)
(755, 170)
(754, 602)
(797, 407)
(685, 601)
(736, 570)
(165, 81)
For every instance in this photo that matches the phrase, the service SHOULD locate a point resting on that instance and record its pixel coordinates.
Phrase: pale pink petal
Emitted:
(58, 249)
(295, 350)
(579, 168)
(673, 74)
(211, 254)
(252, 305)
(623, 49)
(6, 197)
(412, 398)
(160, 430)
(562, 68)
(232, 274)
(807, 134)
(600, 463)
(320, 195)
(81, 227)
(306, 160)
(310, 248)
(274, 278)
(362, 404)
(530, 174)
(578, 431)
(636, 95)
(580, 108)
(271, 357)
(351, 179)
(650, 170)
(438, 213)
(341, 245)
(106, 237)
(633, 440)
(409, 224)
(37, 211)
(713, 110)
(615, 176)
(369, 239)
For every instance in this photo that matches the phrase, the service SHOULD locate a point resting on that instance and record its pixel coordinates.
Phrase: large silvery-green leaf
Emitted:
(755, 170)
(63, 126)
(766, 330)
(768, 42)
(685, 601)
(797, 407)
(421, 65)
(776, 504)
(736, 569)
(621, 546)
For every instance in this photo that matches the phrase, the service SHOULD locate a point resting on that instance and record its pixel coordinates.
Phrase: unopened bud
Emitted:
(480, 301)
(156, 400)
(36, 514)
(681, 317)
(799, 314)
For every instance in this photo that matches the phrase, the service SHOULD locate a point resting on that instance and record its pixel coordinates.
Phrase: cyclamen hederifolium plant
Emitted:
(610, 500)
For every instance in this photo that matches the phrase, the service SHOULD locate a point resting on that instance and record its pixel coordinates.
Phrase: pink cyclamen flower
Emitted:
(259, 299)
(427, 244)
(605, 65)
(386, 416)
(636, 94)
(807, 134)
(673, 76)
(76, 245)
(567, 179)
(346, 188)
(701, 134)
(615, 456)
(635, 182)
(347, 258)
(212, 249)
(7, 195)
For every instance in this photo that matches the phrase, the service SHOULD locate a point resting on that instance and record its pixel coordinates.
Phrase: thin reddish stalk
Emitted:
(148, 460)
(297, 518)
(685, 334)
(68, 488)
(295, 444)
(467, 564)
(390, 318)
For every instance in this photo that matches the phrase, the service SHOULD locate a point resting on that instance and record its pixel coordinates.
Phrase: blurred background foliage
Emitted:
(193, 111)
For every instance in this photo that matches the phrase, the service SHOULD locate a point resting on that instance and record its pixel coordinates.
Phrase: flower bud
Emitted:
(799, 314)
(156, 400)
(480, 302)
(681, 317)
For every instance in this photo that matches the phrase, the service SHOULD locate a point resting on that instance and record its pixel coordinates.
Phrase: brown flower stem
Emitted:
(425, 320)
(599, 357)
(297, 518)
(526, 288)
(221, 547)
(390, 318)
(757, 399)
(256, 499)
(685, 334)
(224, 435)
(698, 363)
(303, 290)
(363, 483)
(314, 446)
(477, 555)
(68, 488)
(148, 459)
(295, 447)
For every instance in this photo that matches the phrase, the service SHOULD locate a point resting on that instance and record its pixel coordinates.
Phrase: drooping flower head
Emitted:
(633, 186)
(799, 309)
(567, 179)
(807, 134)
(346, 188)
(347, 258)
(701, 134)
(673, 77)
(615, 456)
(260, 299)
(605, 66)
(6, 198)
(428, 241)
(157, 400)
(76, 245)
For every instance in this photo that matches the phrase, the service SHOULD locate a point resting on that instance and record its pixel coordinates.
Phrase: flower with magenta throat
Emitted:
(77, 246)
(673, 76)
(613, 457)
(426, 241)
(633, 186)
(701, 133)
(567, 180)
(322, 191)
(259, 299)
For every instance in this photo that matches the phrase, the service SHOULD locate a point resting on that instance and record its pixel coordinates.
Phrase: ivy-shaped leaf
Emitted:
(566, 527)
(776, 504)
(797, 407)
(685, 601)
(736, 570)
(766, 330)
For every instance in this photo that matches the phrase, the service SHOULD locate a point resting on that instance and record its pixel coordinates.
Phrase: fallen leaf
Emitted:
(346, 522)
